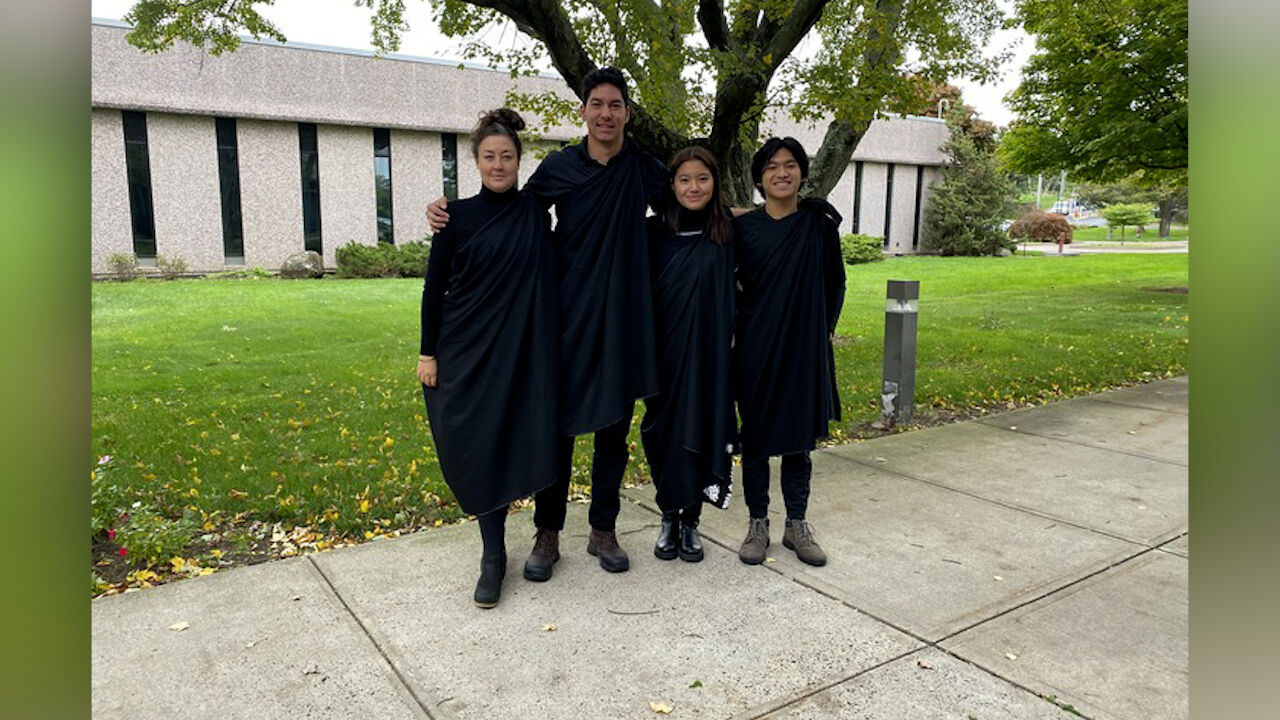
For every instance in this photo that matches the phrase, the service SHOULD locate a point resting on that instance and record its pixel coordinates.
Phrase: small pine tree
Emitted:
(968, 206)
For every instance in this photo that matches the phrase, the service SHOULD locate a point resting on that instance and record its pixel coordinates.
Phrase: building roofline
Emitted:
(402, 57)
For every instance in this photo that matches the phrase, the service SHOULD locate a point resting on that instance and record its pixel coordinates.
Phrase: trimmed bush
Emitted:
(171, 268)
(413, 258)
(1037, 226)
(382, 260)
(124, 266)
(858, 249)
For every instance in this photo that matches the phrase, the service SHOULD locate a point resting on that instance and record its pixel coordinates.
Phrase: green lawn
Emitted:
(224, 407)
(1081, 233)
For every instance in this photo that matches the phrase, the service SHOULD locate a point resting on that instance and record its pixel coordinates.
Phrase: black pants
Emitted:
(796, 472)
(689, 515)
(608, 463)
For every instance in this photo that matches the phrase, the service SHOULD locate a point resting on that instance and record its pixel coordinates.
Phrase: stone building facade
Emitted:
(243, 159)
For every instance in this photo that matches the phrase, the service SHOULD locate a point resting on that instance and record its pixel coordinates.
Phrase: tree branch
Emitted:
(714, 27)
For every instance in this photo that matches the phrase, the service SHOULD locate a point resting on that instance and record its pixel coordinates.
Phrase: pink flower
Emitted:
(104, 459)
(124, 552)
(111, 533)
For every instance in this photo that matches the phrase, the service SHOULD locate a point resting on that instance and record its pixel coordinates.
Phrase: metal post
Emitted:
(897, 394)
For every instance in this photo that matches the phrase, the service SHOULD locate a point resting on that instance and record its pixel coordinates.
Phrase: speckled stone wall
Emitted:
(932, 175)
(415, 181)
(271, 191)
(468, 175)
(185, 189)
(874, 176)
(110, 223)
(841, 197)
(348, 202)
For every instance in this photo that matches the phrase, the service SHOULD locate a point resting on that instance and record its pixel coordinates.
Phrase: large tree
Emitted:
(705, 71)
(1104, 97)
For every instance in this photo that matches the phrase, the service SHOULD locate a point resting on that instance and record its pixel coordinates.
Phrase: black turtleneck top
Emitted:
(465, 218)
(664, 245)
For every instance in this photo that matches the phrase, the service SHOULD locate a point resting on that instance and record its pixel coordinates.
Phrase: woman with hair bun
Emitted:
(488, 348)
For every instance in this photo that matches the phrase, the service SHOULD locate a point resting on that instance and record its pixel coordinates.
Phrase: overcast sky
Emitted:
(340, 23)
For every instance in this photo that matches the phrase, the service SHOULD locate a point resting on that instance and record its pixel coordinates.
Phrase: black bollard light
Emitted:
(897, 394)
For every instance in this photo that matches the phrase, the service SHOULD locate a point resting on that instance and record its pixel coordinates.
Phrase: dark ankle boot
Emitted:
(546, 551)
(668, 543)
(603, 544)
(489, 587)
(690, 542)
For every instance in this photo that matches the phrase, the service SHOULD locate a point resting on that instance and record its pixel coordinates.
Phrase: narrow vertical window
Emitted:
(138, 165)
(857, 195)
(229, 182)
(310, 156)
(888, 204)
(382, 183)
(449, 164)
(915, 231)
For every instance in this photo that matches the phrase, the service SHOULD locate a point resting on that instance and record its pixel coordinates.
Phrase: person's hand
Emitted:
(427, 372)
(437, 218)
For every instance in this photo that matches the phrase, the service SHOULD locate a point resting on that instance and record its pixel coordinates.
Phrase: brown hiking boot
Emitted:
(799, 537)
(753, 548)
(546, 551)
(604, 545)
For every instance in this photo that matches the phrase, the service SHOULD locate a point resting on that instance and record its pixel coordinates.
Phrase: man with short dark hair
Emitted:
(600, 189)
(791, 280)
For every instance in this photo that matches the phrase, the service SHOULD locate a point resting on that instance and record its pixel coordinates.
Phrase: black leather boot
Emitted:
(489, 587)
(667, 546)
(690, 542)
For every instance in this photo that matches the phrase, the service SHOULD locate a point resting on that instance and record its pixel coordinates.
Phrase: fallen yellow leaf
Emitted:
(660, 707)
(179, 626)
(548, 628)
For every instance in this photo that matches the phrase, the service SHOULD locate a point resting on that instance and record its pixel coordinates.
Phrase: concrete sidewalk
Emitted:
(1003, 568)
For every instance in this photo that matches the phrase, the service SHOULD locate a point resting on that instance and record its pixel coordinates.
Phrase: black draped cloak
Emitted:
(493, 410)
(607, 352)
(689, 428)
(791, 282)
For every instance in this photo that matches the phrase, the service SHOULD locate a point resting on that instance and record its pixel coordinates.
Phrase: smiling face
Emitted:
(605, 114)
(781, 176)
(498, 163)
(693, 185)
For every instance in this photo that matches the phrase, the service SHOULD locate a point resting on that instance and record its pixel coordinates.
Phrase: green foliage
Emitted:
(148, 537)
(1104, 97)
(157, 23)
(171, 268)
(253, 273)
(124, 266)
(858, 249)
(413, 258)
(1037, 226)
(1121, 215)
(382, 260)
(967, 208)
(108, 500)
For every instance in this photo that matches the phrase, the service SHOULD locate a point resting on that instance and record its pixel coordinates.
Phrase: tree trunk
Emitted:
(1167, 205)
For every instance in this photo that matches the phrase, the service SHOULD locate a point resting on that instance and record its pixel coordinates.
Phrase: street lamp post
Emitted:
(897, 394)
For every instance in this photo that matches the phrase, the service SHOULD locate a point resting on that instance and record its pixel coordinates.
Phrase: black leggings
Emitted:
(608, 463)
(493, 529)
(796, 472)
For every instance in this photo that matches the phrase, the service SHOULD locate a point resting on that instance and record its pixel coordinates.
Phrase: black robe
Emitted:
(791, 279)
(607, 355)
(493, 410)
(689, 428)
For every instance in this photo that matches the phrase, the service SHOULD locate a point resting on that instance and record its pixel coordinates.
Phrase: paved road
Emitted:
(980, 569)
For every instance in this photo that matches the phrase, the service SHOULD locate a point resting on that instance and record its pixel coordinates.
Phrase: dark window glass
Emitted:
(310, 186)
(382, 183)
(915, 231)
(857, 195)
(888, 204)
(229, 181)
(449, 164)
(138, 166)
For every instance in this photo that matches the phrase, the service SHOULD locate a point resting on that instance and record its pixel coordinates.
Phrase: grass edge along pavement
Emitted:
(240, 421)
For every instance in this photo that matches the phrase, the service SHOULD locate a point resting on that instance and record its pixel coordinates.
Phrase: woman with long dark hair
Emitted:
(489, 344)
(689, 429)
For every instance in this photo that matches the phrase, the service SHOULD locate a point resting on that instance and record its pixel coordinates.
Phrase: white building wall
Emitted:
(348, 201)
(110, 222)
(932, 175)
(185, 189)
(904, 208)
(841, 197)
(271, 192)
(416, 180)
(874, 177)
(468, 175)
